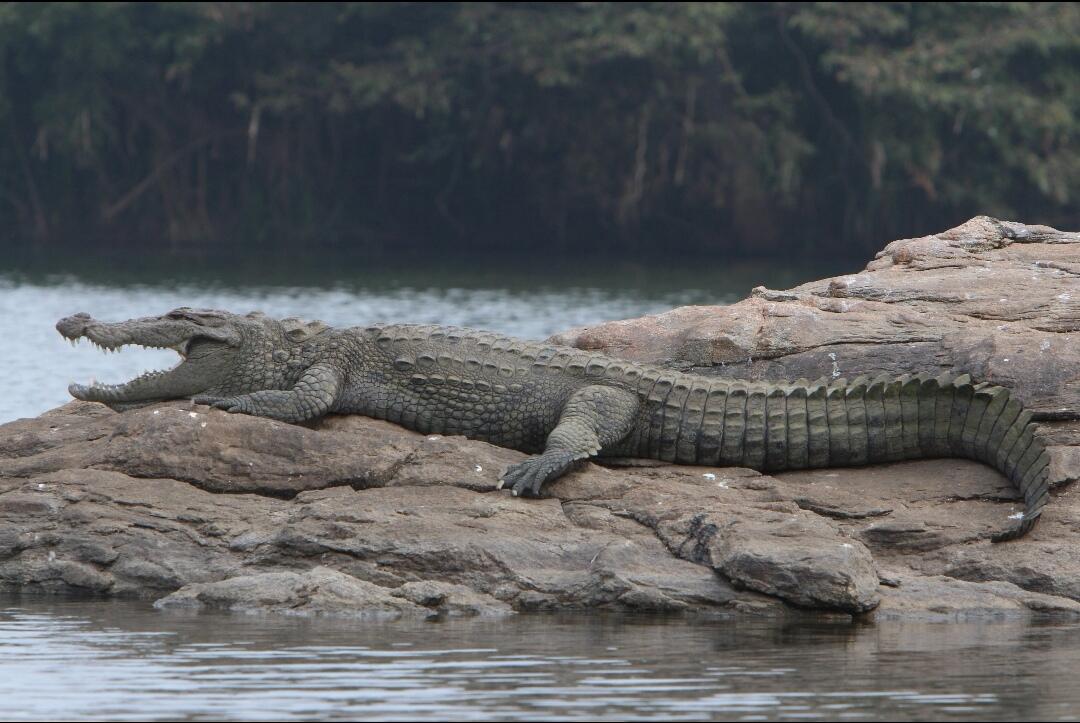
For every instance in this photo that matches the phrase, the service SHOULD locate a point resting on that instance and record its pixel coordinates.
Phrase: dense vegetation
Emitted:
(741, 128)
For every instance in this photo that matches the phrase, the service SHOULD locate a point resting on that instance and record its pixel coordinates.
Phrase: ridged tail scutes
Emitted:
(954, 417)
(957, 418)
(836, 423)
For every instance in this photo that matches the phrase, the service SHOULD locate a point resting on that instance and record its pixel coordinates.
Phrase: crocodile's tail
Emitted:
(997, 430)
(837, 423)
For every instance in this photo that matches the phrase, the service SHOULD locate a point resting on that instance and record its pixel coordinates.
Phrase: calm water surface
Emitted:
(127, 661)
(37, 365)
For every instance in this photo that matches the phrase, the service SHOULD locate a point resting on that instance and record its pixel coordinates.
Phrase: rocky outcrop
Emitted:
(998, 300)
(208, 500)
(198, 508)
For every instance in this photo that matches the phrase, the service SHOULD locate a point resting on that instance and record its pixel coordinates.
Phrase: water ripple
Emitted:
(125, 661)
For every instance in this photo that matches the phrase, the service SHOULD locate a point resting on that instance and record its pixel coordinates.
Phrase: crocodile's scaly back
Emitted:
(569, 404)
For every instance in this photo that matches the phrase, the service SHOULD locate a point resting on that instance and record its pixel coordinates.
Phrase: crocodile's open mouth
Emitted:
(99, 392)
(202, 346)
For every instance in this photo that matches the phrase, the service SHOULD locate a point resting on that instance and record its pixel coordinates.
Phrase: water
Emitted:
(126, 661)
(37, 365)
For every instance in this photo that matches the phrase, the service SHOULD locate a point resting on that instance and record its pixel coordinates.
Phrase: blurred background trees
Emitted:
(739, 129)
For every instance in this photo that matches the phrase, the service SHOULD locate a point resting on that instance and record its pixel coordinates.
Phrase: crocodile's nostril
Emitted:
(72, 326)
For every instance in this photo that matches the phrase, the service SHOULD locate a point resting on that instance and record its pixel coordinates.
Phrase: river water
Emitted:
(126, 661)
(95, 659)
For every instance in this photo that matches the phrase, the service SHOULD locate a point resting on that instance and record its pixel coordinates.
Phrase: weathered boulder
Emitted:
(936, 597)
(319, 591)
(999, 300)
(76, 515)
(325, 591)
(200, 508)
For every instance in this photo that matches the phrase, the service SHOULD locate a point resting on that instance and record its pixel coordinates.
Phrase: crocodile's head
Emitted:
(211, 345)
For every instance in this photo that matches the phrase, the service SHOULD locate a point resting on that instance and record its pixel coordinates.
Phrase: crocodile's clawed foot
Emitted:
(526, 478)
(229, 404)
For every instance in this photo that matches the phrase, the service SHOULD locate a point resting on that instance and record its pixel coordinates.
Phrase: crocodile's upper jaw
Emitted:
(206, 342)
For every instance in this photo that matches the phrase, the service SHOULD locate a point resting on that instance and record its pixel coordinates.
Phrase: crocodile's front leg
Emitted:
(594, 417)
(312, 396)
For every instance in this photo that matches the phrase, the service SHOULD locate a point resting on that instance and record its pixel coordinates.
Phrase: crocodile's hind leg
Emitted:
(595, 417)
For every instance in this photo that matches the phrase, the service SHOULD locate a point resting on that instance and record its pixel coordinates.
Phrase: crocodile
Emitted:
(563, 405)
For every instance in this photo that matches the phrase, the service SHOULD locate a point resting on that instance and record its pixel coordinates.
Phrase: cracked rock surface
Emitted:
(198, 508)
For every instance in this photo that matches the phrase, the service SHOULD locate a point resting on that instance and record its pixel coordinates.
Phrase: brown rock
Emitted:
(999, 300)
(320, 591)
(449, 600)
(418, 529)
(936, 597)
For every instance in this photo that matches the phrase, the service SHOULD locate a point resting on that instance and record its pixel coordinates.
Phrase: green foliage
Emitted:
(742, 128)
(960, 95)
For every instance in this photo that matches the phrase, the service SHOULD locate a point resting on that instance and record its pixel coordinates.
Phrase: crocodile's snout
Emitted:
(74, 326)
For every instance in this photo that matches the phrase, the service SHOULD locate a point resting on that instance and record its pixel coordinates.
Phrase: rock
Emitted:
(319, 591)
(936, 597)
(431, 529)
(243, 454)
(352, 516)
(999, 300)
(790, 559)
(449, 600)
(742, 530)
